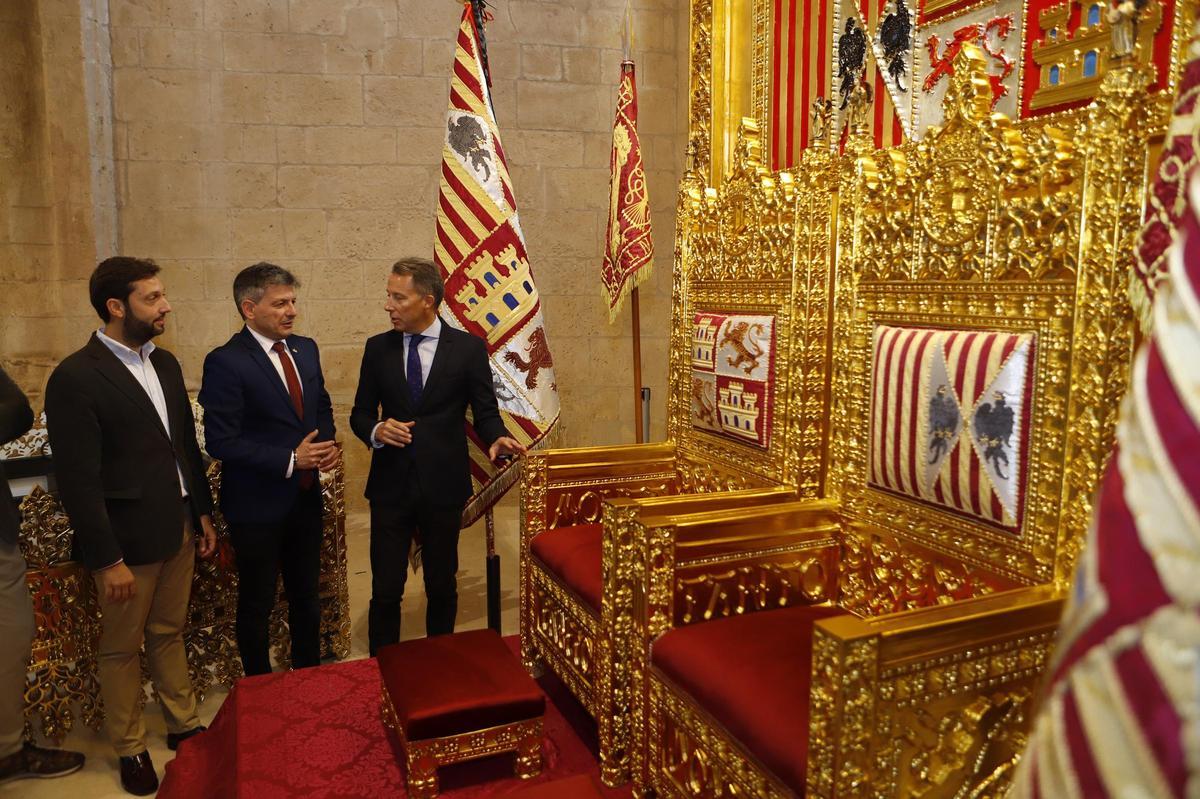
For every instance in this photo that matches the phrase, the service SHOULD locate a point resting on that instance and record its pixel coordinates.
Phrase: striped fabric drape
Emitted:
(1121, 712)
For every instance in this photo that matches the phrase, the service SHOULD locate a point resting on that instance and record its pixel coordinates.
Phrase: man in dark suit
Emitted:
(268, 419)
(416, 383)
(132, 482)
(19, 759)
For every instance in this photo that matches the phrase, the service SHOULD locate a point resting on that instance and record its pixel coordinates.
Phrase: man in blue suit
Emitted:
(268, 419)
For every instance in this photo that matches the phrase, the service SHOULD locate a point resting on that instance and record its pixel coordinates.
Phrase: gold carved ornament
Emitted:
(737, 252)
(1043, 246)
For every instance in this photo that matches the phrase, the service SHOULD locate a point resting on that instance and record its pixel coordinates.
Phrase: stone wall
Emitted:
(308, 133)
(56, 198)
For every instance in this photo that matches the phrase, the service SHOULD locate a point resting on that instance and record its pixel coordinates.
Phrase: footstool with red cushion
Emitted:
(459, 697)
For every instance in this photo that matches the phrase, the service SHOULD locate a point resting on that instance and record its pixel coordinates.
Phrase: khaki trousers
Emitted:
(16, 633)
(157, 613)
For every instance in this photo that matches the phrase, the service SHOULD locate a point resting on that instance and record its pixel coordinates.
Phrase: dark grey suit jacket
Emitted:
(115, 462)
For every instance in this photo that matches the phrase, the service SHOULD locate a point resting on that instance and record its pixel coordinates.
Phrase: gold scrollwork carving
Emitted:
(741, 589)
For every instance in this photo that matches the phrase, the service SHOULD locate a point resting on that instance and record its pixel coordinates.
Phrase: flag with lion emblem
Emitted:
(628, 249)
(489, 284)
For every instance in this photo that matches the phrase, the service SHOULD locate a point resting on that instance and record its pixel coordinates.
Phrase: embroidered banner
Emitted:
(733, 376)
(950, 419)
(1167, 200)
(996, 28)
(489, 283)
(1119, 714)
(629, 247)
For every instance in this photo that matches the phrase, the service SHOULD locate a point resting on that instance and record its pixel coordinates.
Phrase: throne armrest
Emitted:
(700, 566)
(926, 701)
(565, 487)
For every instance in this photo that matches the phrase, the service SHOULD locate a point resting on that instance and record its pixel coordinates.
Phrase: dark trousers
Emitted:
(392, 529)
(292, 546)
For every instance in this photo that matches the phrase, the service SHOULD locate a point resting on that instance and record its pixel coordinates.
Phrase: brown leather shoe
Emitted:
(174, 739)
(35, 761)
(137, 775)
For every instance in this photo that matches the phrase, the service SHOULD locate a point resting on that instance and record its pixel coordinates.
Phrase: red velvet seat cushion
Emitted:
(452, 684)
(574, 555)
(751, 673)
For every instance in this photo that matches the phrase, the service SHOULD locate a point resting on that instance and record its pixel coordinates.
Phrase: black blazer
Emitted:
(16, 417)
(114, 461)
(460, 376)
(251, 426)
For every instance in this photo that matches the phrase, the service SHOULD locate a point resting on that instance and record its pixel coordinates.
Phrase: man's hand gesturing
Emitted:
(311, 454)
(394, 434)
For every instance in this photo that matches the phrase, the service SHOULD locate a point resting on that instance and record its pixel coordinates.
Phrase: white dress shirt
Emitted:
(426, 349)
(273, 357)
(143, 371)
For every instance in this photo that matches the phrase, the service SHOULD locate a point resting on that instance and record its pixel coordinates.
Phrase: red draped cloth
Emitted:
(317, 733)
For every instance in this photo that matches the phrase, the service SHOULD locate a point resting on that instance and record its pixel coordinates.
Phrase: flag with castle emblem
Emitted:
(489, 284)
(628, 247)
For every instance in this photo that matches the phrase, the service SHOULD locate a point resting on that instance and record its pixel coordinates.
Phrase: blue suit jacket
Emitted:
(251, 426)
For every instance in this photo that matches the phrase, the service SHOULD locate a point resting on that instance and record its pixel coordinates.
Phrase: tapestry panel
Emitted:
(733, 375)
(950, 414)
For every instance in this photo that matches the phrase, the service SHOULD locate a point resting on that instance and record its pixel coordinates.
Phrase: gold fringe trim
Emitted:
(639, 277)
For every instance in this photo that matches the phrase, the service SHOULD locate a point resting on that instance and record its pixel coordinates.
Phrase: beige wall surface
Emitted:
(212, 134)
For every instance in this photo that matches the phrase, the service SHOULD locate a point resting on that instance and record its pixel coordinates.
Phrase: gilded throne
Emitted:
(982, 343)
(747, 411)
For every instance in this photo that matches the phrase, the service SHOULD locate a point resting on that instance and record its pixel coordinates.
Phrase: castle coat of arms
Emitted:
(733, 371)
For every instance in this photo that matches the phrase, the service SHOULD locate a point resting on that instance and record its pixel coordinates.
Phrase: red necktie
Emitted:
(293, 385)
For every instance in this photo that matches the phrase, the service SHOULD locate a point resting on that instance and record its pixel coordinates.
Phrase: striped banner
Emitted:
(800, 45)
(489, 283)
(950, 419)
(1121, 711)
(804, 67)
(886, 128)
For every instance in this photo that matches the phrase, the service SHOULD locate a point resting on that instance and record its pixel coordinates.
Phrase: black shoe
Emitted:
(174, 739)
(34, 761)
(137, 775)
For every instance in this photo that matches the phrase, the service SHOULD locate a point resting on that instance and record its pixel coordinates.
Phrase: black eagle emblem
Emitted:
(894, 35)
(993, 428)
(943, 423)
(852, 58)
(467, 138)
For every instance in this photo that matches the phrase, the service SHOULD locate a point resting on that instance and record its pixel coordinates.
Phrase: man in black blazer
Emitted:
(132, 482)
(19, 758)
(268, 419)
(416, 383)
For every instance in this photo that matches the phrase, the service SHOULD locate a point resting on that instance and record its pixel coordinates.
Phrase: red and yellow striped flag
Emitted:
(629, 247)
(489, 283)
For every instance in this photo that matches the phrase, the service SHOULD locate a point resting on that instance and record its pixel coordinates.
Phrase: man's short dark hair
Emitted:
(251, 283)
(426, 276)
(114, 278)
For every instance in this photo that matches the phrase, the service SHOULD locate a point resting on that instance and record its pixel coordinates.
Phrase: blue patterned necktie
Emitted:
(413, 370)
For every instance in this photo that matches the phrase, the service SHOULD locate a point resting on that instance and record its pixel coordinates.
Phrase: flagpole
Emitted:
(637, 366)
(626, 68)
(493, 559)
(635, 307)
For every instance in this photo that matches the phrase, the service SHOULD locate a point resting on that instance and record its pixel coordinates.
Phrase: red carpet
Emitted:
(317, 733)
